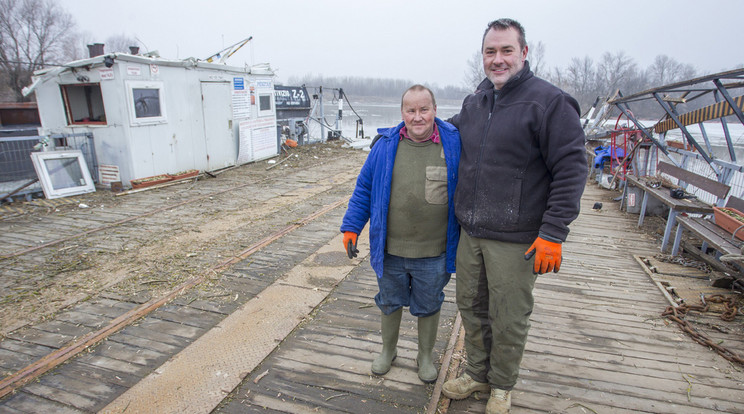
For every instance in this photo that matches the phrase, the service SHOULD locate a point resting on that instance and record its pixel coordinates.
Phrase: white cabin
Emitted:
(152, 116)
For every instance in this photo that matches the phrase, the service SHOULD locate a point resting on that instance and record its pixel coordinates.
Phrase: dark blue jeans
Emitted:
(417, 283)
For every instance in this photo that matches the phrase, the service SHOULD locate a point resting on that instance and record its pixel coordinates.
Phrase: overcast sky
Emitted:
(421, 41)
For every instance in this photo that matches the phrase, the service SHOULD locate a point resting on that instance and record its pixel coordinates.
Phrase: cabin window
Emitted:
(264, 104)
(62, 173)
(83, 104)
(146, 103)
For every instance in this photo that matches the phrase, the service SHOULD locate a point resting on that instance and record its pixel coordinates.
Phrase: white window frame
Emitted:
(39, 160)
(150, 120)
(270, 94)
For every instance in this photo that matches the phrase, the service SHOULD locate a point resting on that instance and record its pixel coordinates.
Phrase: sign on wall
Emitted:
(257, 139)
(291, 97)
(106, 73)
(241, 103)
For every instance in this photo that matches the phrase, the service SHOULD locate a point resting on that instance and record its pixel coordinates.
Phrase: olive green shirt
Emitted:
(417, 217)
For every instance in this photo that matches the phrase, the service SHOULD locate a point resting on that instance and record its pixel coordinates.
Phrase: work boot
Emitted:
(462, 387)
(390, 326)
(499, 402)
(427, 335)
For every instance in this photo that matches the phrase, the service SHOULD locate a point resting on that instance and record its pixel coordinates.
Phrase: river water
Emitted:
(373, 115)
(386, 114)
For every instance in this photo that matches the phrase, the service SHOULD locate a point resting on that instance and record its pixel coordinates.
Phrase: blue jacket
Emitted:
(371, 197)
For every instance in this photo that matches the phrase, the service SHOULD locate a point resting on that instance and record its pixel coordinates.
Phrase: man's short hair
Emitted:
(418, 87)
(505, 24)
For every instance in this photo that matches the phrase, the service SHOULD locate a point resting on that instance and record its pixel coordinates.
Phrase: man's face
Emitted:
(502, 56)
(418, 112)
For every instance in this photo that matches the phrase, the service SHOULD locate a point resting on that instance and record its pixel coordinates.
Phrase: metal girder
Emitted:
(729, 99)
(668, 96)
(726, 133)
(735, 74)
(673, 114)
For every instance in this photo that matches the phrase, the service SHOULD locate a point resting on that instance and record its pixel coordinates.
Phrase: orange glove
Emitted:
(350, 244)
(548, 256)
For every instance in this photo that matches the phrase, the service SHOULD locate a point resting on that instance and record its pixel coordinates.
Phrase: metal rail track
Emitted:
(61, 355)
(106, 323)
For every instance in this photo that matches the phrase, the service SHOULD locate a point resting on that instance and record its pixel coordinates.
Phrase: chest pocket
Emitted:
(435, 191)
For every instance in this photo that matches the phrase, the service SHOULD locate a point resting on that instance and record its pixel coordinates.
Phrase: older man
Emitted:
(522, 173)
(405, 189)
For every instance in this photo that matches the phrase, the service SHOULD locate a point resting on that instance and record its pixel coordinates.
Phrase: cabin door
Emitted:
(221, 143)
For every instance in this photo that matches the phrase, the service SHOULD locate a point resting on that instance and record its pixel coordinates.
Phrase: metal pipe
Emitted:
(626, 111)
(322, 117)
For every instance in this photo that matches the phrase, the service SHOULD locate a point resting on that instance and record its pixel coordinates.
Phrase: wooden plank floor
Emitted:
(324, 365)
(597, 341)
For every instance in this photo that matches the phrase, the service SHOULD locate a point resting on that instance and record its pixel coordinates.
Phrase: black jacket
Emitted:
(523, 165)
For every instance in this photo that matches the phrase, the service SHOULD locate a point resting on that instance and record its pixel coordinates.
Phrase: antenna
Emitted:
(228, 51)
(143, 43)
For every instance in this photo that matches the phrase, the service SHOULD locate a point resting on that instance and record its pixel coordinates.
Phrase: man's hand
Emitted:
(548, 256)
(350, 244)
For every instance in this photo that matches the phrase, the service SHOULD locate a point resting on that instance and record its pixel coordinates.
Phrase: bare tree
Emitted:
(663, 70)
(557, 77)
(371, 87)
(580, 80)
(536, 55)
(688, 72)
(474, 73)
(667, 70)
(614, 70)
(120, 43)
(76, 48)
(33, 34)
(6, 95)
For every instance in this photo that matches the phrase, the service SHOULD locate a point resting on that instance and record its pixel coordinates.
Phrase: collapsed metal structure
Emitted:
(705, 98)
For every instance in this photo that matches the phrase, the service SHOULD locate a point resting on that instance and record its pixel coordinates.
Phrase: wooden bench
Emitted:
(677, 205)
(710, 233)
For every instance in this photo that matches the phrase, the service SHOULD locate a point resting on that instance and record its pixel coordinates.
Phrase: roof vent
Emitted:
(96, 49)
(134, 50)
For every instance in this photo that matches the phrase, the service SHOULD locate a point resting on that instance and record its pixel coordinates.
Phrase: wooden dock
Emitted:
(597, 344)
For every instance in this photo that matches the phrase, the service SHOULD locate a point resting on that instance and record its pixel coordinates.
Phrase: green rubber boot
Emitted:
(390, 327)
(427, 335)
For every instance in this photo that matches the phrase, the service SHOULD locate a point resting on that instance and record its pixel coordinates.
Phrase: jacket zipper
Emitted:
(477, 176)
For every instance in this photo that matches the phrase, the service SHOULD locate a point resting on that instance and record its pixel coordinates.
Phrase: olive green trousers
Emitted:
(494, 295)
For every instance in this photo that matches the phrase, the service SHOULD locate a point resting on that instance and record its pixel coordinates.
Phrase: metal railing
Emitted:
(15, 159)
